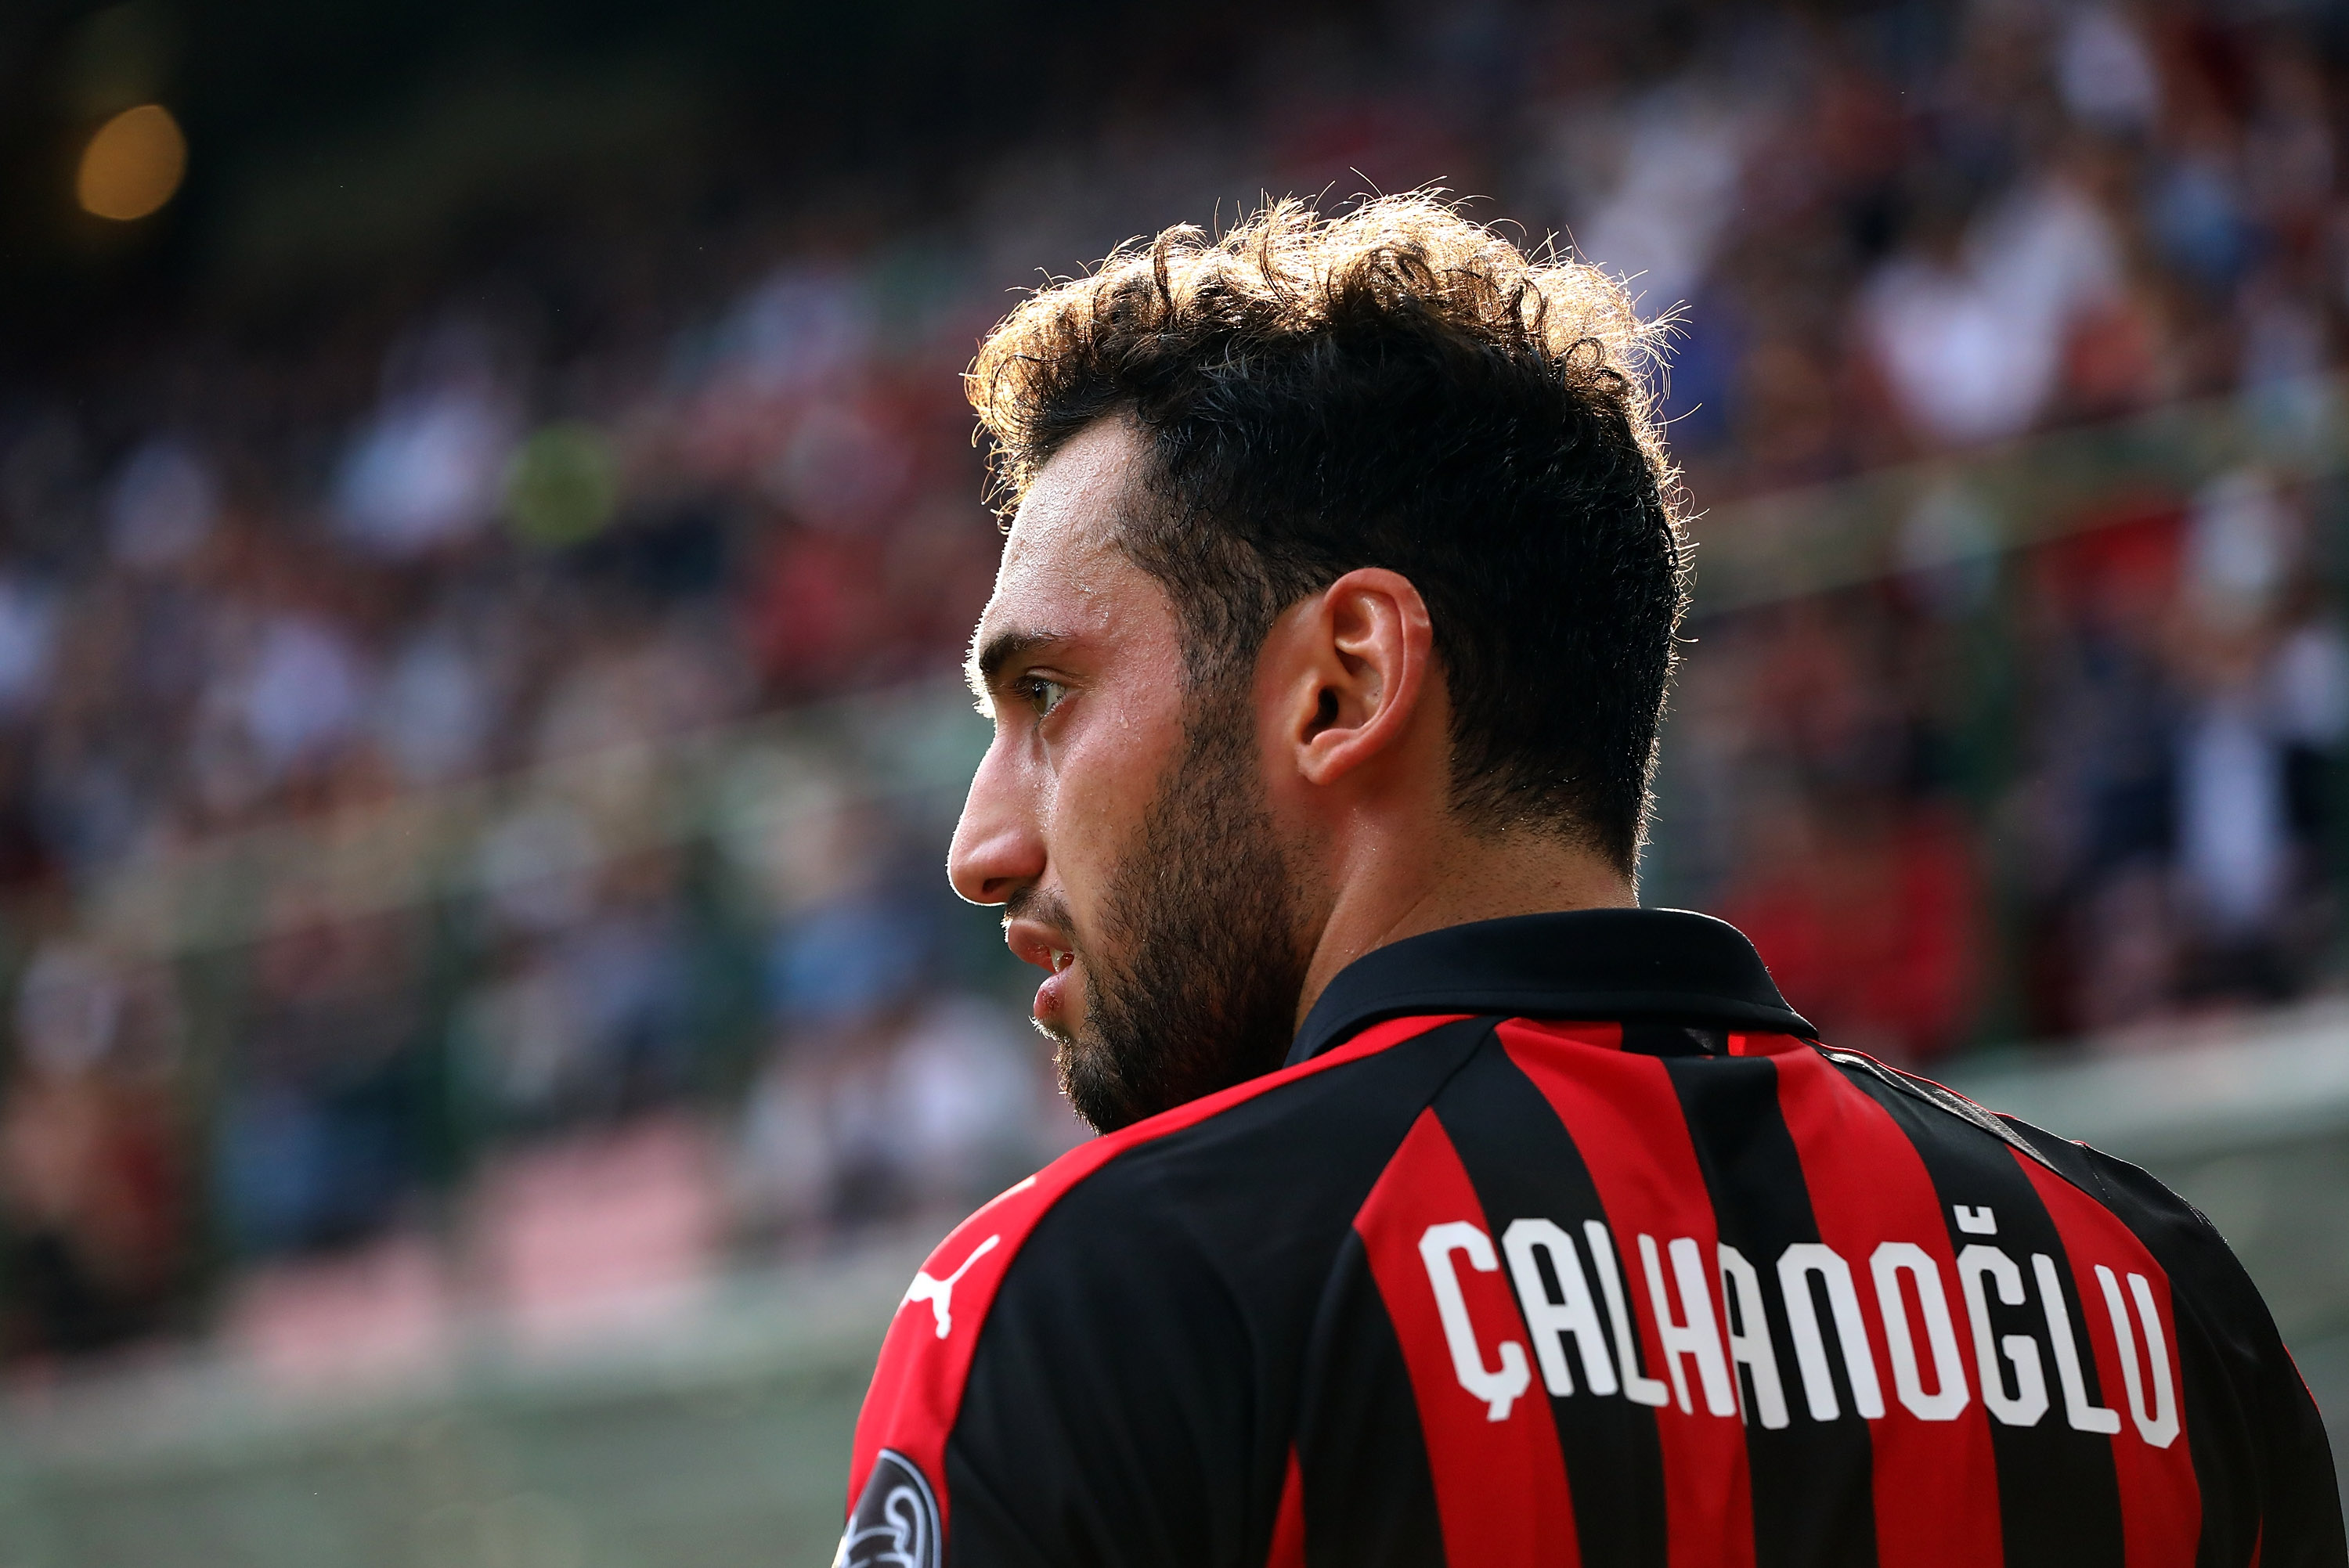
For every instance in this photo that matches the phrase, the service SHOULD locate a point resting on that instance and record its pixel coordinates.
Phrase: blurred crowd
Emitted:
(522, 537)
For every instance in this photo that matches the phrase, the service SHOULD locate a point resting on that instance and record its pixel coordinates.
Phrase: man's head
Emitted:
(1323, 524)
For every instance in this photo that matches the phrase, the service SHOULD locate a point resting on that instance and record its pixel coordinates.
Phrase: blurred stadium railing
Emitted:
(2016, 494)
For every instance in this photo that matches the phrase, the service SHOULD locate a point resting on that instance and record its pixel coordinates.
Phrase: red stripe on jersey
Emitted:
(2161, 1501)
(1289, 1524)
(1936, 1482)
(1500, 1481)
(1621, 1111)
(1768, 1044)
(926, 1359)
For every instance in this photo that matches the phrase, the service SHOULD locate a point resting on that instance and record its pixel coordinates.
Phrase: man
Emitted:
(1450, 1208)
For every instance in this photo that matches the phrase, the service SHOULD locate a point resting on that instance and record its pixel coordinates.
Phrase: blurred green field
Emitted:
(721, 1440)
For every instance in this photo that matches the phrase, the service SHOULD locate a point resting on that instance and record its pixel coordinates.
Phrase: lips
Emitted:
(1050, 949)
(1051, 1001)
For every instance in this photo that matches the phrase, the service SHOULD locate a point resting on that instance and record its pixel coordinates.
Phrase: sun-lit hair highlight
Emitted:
(1287, 272)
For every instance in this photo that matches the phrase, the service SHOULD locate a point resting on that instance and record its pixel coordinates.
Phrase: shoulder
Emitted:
(2190, 1249)
(2246, 1402)
(2122, 1196)
(2112, 1221)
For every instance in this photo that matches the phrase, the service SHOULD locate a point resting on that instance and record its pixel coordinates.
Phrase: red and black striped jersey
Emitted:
(1562, 1240)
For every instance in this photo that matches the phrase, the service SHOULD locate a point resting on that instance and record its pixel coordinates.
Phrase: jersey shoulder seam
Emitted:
(1949, 1101)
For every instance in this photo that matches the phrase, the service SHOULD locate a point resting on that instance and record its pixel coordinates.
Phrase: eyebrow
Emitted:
(987, 660)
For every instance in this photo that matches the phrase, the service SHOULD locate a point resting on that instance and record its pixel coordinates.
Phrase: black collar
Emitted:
(1662, 965)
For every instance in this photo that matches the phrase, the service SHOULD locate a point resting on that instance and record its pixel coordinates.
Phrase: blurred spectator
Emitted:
(323, 1123)
(2108, 76)
(2254, 750)
(585, 1014)
(91, 1179)
(424, 469)
(163, 505)
(1971, 331)
(1870, 922)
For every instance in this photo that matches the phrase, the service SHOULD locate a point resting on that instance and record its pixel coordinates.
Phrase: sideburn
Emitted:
(1205, 912)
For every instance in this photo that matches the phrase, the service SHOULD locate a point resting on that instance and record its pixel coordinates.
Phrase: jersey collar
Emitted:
(1662, 965)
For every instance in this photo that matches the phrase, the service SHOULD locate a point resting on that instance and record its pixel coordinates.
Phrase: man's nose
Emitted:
(997, 849)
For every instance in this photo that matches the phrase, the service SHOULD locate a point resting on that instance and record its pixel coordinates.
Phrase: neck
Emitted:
(1391, 886)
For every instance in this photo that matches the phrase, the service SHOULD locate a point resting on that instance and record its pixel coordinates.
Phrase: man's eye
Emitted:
(1042, 695)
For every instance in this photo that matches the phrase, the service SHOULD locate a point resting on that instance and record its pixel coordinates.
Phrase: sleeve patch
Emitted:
(895, 1523)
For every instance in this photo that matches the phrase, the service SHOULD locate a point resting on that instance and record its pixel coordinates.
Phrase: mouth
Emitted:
(1054, 952)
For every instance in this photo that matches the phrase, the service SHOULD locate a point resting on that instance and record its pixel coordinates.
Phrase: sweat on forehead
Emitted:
(1061, 576)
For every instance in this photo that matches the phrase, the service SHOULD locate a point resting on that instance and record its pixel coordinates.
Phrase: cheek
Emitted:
(1103, 784)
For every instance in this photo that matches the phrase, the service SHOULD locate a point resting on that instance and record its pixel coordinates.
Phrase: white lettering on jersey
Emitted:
(1694, 1334)
(939, 1293)
(2159, 1424)
(1549, 1321)
(1638, 1387)
(2028, 1403)
(1749, 1340)
(1888, 1263)
(1729, 1336)
(1797, 1267)
(2084, 1416)
(1500, 1389)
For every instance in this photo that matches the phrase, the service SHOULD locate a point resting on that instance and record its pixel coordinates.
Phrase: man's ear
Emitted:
(1354, 668)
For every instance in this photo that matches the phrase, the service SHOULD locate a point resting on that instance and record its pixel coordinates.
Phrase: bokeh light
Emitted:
(133, 165)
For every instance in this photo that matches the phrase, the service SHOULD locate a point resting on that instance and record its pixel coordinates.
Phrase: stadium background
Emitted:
(483, 565)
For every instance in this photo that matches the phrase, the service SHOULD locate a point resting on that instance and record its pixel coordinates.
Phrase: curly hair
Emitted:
(1400, 386)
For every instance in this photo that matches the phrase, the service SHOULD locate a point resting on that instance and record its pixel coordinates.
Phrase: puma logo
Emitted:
(939, 1293)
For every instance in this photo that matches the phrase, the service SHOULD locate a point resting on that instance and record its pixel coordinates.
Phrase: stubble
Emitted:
(1202, 915)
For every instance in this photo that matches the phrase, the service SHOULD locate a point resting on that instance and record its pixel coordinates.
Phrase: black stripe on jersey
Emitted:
(2059, 1500)
(1524, 1165)
(1370, 1497)
(1813, 1481)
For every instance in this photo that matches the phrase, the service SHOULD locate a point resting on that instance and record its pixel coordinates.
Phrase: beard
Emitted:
(1204, 917)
